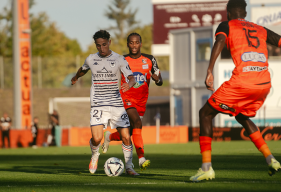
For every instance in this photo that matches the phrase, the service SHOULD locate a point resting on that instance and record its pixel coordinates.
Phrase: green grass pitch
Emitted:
(239, 166)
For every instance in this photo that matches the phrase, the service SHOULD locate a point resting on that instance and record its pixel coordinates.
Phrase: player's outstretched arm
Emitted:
(126, 86)
(218, 46)
(79, 73)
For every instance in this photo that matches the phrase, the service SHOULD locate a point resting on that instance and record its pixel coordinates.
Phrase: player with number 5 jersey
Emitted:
(248, 87)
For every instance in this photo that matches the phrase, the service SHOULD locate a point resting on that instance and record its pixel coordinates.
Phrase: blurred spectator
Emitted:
(5, 125)
(34, 131)
(54, 121)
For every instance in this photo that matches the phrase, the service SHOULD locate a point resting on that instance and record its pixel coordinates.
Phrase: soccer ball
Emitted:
(113, 167)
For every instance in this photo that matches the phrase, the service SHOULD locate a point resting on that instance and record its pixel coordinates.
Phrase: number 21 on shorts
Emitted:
(98, 115)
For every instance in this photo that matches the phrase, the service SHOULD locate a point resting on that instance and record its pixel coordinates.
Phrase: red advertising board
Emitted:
(185, 15)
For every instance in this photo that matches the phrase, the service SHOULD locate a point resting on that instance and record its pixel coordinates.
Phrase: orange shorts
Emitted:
(133, 103)
(233, 100)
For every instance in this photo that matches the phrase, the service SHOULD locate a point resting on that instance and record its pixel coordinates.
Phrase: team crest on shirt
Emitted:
(112, 63)
(144, 61)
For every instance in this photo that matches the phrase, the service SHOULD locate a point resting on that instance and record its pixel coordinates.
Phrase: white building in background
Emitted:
(189, 58)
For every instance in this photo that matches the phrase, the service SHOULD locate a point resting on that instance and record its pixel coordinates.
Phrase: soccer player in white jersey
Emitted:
(106, 103)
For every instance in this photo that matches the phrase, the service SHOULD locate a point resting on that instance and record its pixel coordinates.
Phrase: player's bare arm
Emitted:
(218, 46)
(126, 86)
(79, 73)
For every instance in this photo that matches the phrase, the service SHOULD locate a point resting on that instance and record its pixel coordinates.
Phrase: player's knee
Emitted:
(126, 139)
(96, 140)
(138, 123)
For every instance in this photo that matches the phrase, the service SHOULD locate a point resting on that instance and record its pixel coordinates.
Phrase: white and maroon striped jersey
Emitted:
(106, 75)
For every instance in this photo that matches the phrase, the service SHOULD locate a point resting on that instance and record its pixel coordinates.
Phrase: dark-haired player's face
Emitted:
(134, 44)
(103, 46)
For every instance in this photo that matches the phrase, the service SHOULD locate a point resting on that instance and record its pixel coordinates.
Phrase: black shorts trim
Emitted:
(131, 108)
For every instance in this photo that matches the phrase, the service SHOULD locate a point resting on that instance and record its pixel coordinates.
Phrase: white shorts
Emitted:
(117, 117)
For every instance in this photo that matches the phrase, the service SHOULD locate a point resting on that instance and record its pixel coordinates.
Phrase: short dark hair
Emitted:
(101, 34)
(236, 4)
(132, 34)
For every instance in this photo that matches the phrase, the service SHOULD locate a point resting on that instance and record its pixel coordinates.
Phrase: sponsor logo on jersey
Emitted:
(97, 76)
(144, 61)
(145, 66)
(104, 70)
(140, 79)
(97, 59)
(253, 56)
(254, 68)
(112, 64)
(225, 107)
(95, 63)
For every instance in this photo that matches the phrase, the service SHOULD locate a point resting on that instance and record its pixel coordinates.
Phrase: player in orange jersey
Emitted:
(143, 67)
(248, 87)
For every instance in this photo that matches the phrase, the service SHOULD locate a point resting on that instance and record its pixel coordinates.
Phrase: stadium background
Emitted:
(182, 62)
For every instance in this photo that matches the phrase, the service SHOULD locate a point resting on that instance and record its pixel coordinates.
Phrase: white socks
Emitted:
(141, 160)
(268, 159)
(94, 149)
(206, 166)
(128, 155)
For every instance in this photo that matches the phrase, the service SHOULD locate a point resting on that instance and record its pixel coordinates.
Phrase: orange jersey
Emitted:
(141, 68)
(247, 44)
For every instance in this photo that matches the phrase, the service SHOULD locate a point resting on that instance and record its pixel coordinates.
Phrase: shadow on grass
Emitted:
(173, 164)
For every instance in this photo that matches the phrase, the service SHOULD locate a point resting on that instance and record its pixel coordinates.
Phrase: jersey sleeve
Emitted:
(85, 66)
(273, 38)
(124, 67)
(223, 28)
(154, 68)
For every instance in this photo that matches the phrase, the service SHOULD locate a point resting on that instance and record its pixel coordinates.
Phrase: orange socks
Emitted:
(206, 156)
(259, 142)
(115, 136)
(205, 146)
(137, 138)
